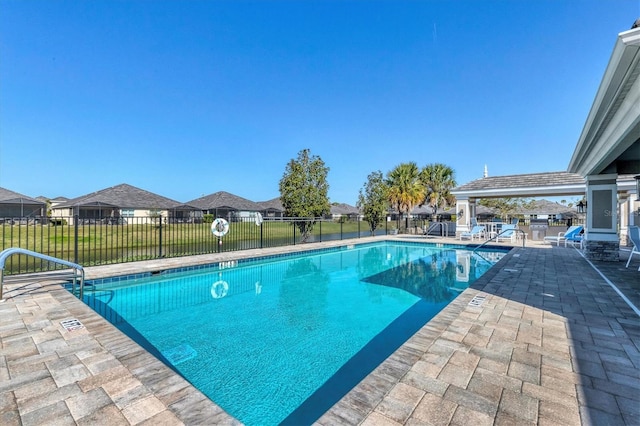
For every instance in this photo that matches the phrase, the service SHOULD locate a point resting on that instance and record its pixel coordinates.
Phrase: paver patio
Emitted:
(549, 343)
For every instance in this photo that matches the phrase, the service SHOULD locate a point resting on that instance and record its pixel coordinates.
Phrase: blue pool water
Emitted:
(281, 339)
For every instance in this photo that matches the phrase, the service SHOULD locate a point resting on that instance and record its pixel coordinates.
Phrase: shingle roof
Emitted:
(225, 200)
(11, 197)
(123, 196)
(523, 181)
(343, 208)
(273, 204)
(546, 207)
(427, 209)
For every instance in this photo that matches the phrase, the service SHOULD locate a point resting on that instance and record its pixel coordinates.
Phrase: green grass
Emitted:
(106, 244)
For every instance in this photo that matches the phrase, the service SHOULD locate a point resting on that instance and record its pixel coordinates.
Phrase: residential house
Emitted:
(14, 205)
(272, 208)
(124, 204)
(343, 210)
(227, 206)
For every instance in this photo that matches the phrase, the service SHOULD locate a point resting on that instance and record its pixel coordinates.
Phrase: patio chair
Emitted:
(507, 233)
(572, 232)
(634, 236)
(476, 231)
(573, 240)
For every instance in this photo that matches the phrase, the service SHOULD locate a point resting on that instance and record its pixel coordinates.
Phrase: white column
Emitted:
(601, 231)
(463, 215)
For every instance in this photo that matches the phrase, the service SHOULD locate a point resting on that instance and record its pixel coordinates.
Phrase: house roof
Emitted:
(225, 200)
(343, 209)
(560, 183)
(273, 204)
(546, 207)
(428, 210)
(11, 197)
(122, 196)
(56, 199)
(532, 185)
(533, 180)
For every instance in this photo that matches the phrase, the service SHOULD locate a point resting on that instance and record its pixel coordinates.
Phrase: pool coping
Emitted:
(96, 371)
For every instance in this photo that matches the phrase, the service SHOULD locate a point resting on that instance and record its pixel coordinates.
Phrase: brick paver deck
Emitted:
(551, 343)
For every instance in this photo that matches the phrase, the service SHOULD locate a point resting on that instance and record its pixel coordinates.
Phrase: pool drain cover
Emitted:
(71, 324)
(180, 354)
(477, 300)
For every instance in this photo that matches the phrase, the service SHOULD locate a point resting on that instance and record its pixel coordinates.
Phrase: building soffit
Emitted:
(612, 128)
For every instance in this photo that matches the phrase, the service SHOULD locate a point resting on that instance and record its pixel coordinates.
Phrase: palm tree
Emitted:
(438, 180)
(405, 188)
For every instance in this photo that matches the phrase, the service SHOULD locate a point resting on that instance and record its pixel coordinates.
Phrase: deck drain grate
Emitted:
(477, 300)
(71, 324)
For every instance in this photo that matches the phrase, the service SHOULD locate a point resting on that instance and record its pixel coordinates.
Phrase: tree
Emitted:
(155, 215)
(304, 191)
(405, 189)
(439, 180)
(373, 200)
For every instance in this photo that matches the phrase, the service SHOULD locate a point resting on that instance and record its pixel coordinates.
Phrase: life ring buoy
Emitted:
(219, 227)
(258, 219)
(219, 289)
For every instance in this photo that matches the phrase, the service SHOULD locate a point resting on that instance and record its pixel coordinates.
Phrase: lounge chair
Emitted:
(572, 233)
(573, 240)
(476, 231)
(508, 232)
(634, 236)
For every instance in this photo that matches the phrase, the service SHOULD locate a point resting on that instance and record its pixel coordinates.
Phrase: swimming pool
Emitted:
(281, 339)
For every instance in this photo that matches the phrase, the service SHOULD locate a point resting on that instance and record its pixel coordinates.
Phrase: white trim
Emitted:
(596, 178)
(609, 125)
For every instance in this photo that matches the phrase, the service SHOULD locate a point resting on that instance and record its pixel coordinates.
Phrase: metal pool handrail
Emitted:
(4, 255)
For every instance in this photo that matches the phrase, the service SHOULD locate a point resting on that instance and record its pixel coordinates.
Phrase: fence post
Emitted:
(320, 230)
(75, 239)
(160, 238)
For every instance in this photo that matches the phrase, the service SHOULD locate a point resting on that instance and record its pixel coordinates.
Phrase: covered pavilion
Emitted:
(605, 166)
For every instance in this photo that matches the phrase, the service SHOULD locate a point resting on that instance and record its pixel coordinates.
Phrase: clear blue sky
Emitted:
(187, 98)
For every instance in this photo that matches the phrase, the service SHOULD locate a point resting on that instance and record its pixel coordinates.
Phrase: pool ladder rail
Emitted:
(495, 237)
(443, 226)
(76, 274)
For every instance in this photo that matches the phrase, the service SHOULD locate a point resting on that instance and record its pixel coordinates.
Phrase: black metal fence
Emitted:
(107, 241)
(91, 242)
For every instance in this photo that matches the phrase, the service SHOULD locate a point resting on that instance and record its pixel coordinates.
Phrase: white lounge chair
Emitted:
(634, 236)
(572, 232)
(507, 233)
(476, 231)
